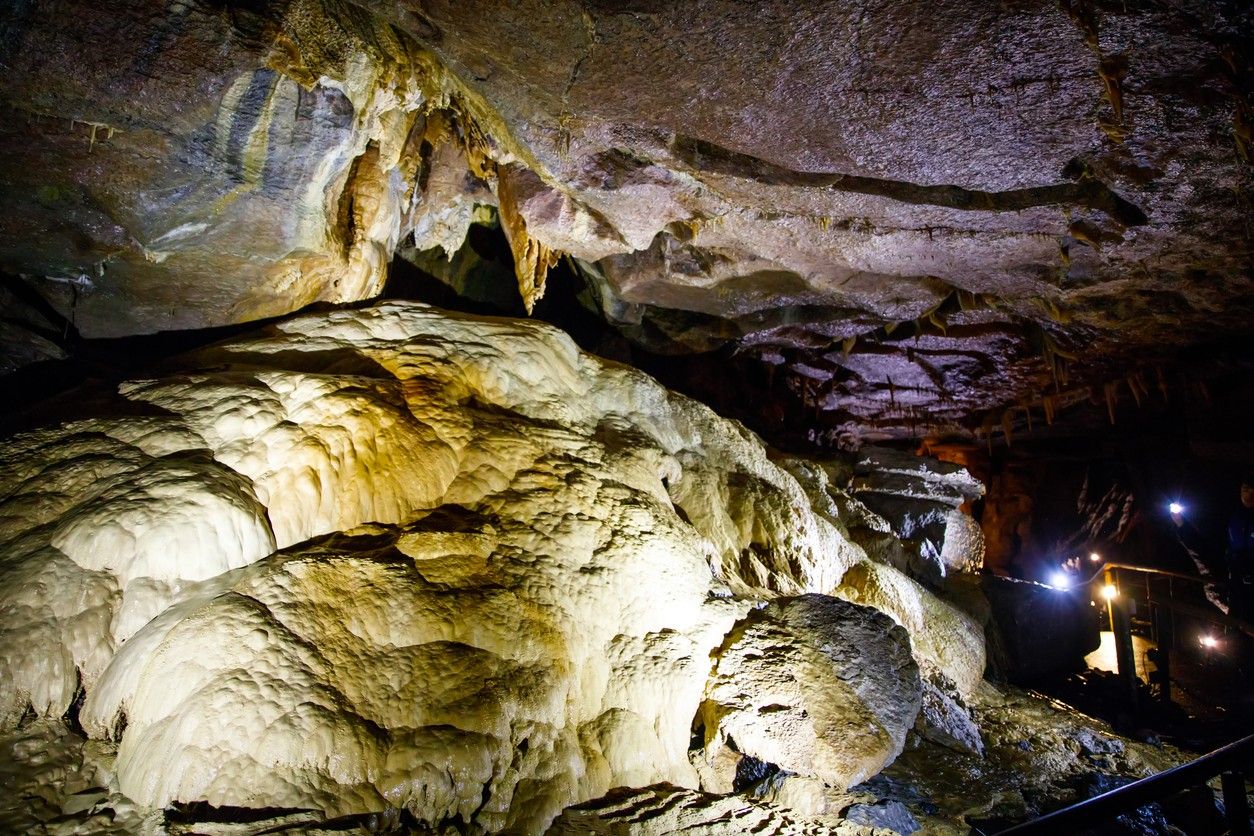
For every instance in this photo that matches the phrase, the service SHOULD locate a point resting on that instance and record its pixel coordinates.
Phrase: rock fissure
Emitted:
(705, 156)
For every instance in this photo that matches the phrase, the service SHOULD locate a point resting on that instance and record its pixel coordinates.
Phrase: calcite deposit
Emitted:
(540, 553)
(399, 562)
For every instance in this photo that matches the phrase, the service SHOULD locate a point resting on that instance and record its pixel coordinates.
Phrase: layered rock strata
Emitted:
(915, 214)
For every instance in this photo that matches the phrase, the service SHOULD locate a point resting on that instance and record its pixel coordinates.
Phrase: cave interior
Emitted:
(582, 416)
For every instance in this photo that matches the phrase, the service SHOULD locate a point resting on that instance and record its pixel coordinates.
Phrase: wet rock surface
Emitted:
(884, 815)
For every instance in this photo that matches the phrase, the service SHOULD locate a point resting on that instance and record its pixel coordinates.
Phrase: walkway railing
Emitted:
(1163, 607)
(1231, 761)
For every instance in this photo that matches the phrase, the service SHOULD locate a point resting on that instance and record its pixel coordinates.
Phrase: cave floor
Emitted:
(1039, 755)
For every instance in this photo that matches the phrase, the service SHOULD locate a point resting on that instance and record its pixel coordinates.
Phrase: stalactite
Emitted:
(1111, 390)
(1136, 384)
(532, 259)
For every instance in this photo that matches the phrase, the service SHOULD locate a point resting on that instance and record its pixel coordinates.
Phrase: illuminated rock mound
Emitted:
(509, 577)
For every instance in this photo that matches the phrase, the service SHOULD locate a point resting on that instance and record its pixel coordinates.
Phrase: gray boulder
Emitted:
(815, 685)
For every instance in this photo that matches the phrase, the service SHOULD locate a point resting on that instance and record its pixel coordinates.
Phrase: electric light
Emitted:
(1176, 508)
(1209, 642)
(1095, 557)
(1060, 580)
(1110, 592)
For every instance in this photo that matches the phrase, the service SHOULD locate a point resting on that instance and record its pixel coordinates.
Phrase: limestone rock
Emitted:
(423, 682)
(920, 498)
(816, 686)
(882, 470)
(57, 783)
(794, 179)
(234, 166)
(942, 636)
(665, 809)
(889, 815)
(945, 720)
(26, 334)
(489, 544)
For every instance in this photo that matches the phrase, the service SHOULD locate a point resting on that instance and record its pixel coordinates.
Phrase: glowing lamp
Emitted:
(1209, 642)
(1095, 557)
(1110, 592)
(1176, 508)
(1060, 580)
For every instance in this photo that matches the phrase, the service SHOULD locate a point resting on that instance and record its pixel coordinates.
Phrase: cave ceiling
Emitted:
(903, 216)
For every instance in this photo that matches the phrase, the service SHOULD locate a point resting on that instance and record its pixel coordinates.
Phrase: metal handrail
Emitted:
(1232, 758)
(1216, 616)
(1131, 567)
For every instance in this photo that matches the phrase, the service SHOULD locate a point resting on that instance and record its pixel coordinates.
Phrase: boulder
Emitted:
(816, 686)
(943, 637)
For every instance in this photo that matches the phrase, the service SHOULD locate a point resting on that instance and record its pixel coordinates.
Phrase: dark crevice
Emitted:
(63, 331)
(202, 811)
(1088, 193)
(71, 715)
(346, 210)
(750, 772)
(100, 363)
(696, 739)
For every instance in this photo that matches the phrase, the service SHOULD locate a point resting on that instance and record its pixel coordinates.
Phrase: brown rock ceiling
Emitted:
(917, 215)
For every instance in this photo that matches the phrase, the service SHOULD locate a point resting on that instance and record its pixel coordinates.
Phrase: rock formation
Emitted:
(540, 553)
(919, 215)
(399, 559)
(385, 567)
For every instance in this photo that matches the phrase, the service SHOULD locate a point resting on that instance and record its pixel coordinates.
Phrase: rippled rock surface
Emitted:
(397, 562)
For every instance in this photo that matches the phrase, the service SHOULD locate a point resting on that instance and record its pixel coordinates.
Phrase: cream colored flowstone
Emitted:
(503, 567)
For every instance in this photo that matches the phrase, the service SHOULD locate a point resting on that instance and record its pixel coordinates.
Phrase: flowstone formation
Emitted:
(397, 567)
